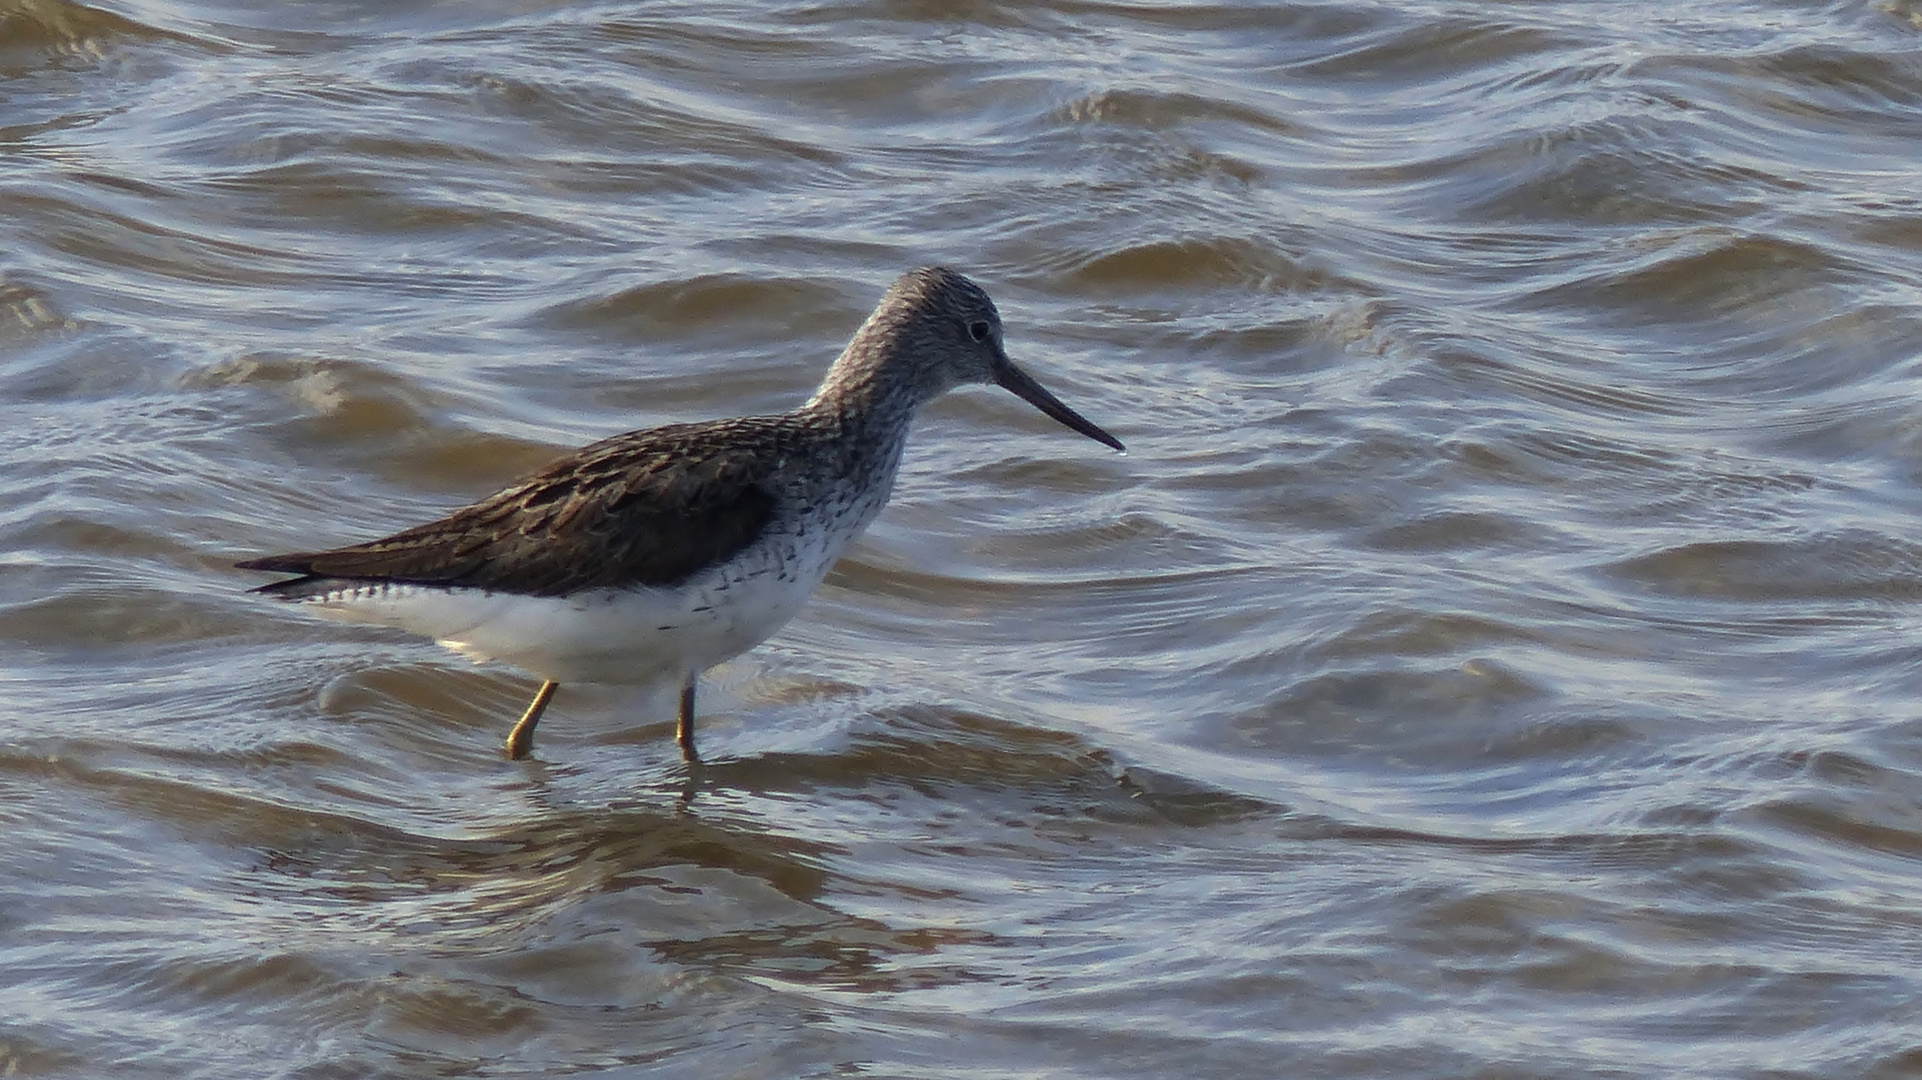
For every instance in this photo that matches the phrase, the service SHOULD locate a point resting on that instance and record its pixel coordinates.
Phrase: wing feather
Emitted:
(648, 507)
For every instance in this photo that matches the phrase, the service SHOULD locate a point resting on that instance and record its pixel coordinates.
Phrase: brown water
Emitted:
(1498, 655)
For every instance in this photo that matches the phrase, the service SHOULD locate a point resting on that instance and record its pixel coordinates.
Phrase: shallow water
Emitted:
(1495, 657)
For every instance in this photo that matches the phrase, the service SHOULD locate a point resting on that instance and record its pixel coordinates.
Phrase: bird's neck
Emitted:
(868, 394)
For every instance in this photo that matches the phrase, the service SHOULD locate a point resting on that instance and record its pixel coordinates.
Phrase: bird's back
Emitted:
(645, 508)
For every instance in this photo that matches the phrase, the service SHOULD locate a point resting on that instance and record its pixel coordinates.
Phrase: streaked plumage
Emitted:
(660, 553)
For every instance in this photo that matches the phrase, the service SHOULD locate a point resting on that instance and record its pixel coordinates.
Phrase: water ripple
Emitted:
(1493, 656)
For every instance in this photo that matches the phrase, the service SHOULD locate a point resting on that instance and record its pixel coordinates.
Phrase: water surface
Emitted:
(1495, 657)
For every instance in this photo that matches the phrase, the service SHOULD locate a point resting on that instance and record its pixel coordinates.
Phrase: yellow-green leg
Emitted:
(521, 739)
(684, 727)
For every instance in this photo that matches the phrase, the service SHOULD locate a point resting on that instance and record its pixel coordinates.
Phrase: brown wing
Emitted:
(648, 507)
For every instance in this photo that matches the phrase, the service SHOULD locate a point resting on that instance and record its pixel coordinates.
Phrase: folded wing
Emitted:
(649, 507)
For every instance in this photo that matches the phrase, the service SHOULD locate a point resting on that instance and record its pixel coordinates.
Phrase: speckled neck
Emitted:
(873, 390)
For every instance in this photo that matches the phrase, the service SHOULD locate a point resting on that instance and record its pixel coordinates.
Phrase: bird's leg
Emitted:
(684, 727)
(521, 739)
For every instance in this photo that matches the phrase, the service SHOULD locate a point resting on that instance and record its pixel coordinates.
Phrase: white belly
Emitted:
(635, 635)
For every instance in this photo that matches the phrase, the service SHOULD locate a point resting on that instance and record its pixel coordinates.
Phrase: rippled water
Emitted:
(1496, 657)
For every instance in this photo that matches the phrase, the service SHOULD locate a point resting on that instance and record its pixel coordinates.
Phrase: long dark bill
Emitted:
(1024, 387)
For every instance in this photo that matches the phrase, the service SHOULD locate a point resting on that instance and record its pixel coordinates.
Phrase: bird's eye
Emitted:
(978, 329)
